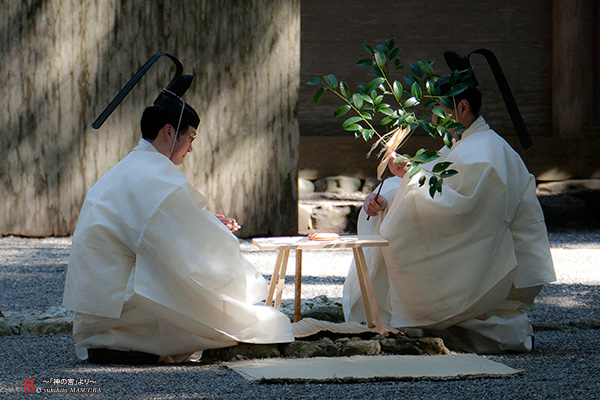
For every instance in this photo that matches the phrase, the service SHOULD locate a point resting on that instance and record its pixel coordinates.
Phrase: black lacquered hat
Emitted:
(465, 74)
(169, 100)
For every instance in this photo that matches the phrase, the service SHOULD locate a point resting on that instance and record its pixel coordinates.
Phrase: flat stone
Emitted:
(305, 187)
(409, 346)
(48, 326)
(360, 347)
(331, 313)
(572, 185)
(370, 184)
(333, 217)
(243, 351)
(548, 326)
(586, 324)
(8, 328)
(305, 349)
(338, 184)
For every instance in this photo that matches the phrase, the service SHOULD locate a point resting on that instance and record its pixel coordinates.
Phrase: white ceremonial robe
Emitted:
(456, 258)
(151, 271)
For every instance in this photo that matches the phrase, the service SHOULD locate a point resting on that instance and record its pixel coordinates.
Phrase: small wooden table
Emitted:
(299, 243)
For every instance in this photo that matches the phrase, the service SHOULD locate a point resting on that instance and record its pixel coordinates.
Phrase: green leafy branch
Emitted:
(414, 98)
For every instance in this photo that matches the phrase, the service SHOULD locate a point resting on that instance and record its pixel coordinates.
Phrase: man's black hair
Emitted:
(153, 119)
(473, 97)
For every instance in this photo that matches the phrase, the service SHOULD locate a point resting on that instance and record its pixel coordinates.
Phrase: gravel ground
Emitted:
(564, 365)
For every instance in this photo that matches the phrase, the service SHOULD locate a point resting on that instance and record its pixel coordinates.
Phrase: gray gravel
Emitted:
(564, 365)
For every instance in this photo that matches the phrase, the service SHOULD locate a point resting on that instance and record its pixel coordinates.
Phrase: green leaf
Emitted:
(367, 107)
(447, 102)
(416, 70)
(448, 173)
(341, 111)
(433, 181)
(454, 125)
(429, 86)
(410, 102)
(427, 156)
(386, 120)
(368, 48)
(386, 110)
(410, 80)
(414, 170)
(416, 92)
(352, 127)
(394, 53)
(422, 180)
(377, 100)
(314, 81)
(456, 91)
(357, 100)
(350, 121)
(330, 81)
(380, 58)
(319, 94)
(365, 62)
(427, 127)
(344, 90)
(374, 84)
(439, 111)
(426, 68)
(439, 167)
(429, 103)
(397, 89)
(407, 117)
(447, 139)
(390, 43)
(381, 48)
(367, 134)
(432, 190)
(453, 77)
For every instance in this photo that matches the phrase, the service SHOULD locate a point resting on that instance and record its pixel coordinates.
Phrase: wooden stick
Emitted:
(298, 290)
(377, 194)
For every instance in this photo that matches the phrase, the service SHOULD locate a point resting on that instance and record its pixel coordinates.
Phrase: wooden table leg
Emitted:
(363, 291)
(281, 281)
(366, 288)
(298, 289)
(274, 278)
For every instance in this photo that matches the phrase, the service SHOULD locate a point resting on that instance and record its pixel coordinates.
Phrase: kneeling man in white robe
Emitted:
(150, 271)
(466, 265)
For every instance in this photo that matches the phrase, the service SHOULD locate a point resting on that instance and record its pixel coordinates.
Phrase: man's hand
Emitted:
(374, 204)
(398, 168)
(229, 223)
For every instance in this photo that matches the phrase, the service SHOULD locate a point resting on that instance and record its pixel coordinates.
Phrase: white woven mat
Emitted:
(359, 368)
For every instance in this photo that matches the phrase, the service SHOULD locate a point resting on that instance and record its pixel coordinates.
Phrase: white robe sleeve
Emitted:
(191, 273)
(352, 297)
(446, 253)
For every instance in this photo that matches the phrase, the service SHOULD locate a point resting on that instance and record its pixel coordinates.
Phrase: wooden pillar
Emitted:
(572, 67)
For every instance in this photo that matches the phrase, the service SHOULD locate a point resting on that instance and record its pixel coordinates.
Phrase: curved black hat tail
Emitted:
(509, 100)
(178, 85)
